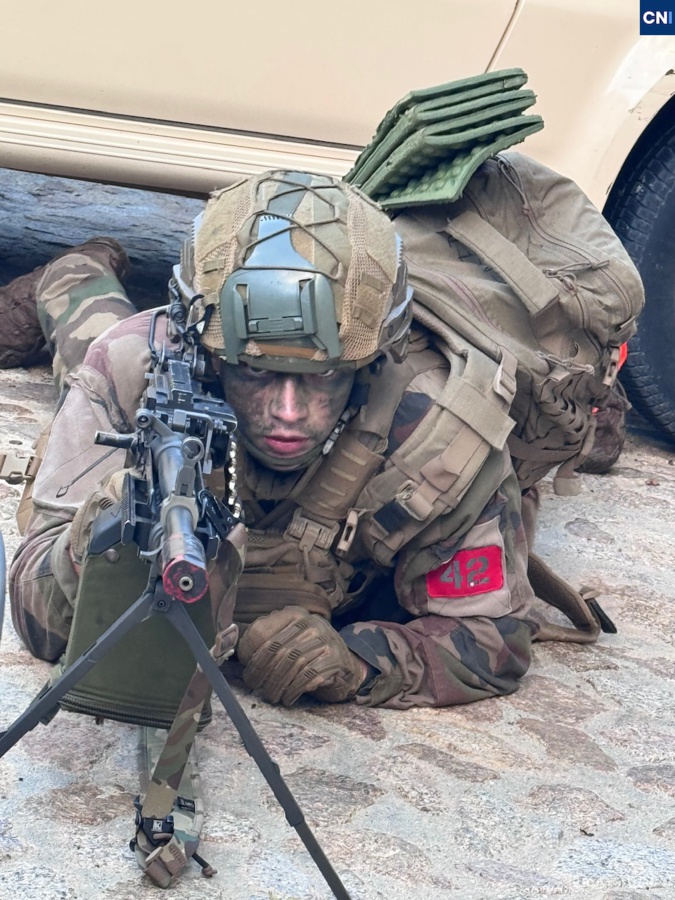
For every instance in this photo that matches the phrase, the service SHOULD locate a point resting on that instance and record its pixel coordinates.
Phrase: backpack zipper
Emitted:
(595, 263)
(461, 290)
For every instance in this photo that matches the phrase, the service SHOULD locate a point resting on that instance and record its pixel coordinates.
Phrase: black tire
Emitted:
(641, 209)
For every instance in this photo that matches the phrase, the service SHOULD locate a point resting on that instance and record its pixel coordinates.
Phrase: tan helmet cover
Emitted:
(264, 240)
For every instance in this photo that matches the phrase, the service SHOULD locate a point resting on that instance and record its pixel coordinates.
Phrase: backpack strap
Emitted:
(581, 607)
(442, 458)
(477, 420)
(529, 283)
(536, 292)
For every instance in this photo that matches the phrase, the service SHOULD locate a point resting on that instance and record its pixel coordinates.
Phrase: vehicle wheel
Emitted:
(641, 210)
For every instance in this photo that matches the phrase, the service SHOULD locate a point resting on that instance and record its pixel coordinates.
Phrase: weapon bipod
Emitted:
(154, 601)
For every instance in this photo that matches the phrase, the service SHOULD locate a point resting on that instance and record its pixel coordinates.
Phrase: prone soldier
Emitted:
(359, 582)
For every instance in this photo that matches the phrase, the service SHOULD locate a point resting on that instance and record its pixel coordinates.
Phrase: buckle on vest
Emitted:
(348, 532)
(15, 470)
(411, 497)
(311, 534)
(504, 383)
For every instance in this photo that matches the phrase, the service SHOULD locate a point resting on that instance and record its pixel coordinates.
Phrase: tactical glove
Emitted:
(293, 652)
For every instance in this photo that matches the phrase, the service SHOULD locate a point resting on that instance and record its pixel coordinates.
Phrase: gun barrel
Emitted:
(182, 555)
(184, 575)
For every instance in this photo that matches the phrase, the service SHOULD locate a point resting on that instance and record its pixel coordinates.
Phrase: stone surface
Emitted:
(565, 789)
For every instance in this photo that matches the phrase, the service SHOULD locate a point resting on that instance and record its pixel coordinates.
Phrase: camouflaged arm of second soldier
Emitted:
(102, 397)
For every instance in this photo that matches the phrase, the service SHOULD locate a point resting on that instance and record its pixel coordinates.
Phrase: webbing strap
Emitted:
(530, 284)
(386, 392)
(475, 400)
(163, 854)
(442, 471)
(169, 769)
(553, 589)
(165, 861)
(479, 396)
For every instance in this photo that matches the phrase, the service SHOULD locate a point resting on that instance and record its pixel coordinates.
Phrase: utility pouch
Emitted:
(143, 678)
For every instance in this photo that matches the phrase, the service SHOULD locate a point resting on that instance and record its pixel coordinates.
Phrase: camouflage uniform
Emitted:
(433, 631)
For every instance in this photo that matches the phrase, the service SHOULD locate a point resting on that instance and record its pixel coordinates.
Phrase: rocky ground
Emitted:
(567, 788)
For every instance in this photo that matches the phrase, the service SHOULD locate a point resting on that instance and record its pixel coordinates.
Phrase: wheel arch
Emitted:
(647, 120)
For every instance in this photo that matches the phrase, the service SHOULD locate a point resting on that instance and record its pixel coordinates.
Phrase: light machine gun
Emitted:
(176, 524)
(182, 433)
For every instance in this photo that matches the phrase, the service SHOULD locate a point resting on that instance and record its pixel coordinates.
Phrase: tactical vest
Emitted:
(341, 524)
(361, 503)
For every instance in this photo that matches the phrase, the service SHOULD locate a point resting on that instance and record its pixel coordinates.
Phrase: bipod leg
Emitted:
(182, 622)
(47, 701)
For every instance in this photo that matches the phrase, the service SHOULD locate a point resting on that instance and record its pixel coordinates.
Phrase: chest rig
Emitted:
(321, 538)
(331, 530)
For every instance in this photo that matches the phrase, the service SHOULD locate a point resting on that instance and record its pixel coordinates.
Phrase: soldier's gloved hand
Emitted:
(293, 652)
(108, 492)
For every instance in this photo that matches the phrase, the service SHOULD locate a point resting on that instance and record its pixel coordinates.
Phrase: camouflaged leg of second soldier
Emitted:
(79, 296)
(75, 297)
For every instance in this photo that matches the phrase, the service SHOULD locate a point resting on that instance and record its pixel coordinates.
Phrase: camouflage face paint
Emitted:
(285, 416)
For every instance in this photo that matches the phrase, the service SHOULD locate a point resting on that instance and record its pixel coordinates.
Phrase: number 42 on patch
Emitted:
(468, 572)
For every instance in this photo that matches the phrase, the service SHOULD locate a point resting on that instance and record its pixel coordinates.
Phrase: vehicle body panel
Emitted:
(598, 83)
(299, 69)
(158, 98)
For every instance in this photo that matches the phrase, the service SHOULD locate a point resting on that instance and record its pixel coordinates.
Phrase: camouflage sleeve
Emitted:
(103, 396)
(469, 596)
(42, 587)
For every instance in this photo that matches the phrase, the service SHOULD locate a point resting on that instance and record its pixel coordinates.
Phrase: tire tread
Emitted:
(634, 207)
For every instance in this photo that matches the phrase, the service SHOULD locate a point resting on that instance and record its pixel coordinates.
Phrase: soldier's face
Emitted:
(285, 416)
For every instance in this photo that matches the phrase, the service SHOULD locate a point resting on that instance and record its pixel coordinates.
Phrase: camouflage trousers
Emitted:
(78, 297)
(66, 304)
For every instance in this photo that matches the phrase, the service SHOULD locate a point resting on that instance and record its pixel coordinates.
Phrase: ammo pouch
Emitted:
(282, 571)
(143, 678)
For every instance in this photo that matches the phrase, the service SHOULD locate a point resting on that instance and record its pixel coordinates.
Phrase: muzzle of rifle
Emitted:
(184, 575)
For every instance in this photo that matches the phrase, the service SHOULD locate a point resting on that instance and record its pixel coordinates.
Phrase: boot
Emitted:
(22, 342)
(610, 434)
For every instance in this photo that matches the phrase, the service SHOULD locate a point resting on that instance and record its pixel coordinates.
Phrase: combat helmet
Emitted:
(296, 272)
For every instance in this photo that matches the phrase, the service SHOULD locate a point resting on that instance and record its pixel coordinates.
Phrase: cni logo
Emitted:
(656, 20)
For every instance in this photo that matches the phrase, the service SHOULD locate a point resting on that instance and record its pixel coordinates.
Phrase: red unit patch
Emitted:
(468, 572)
